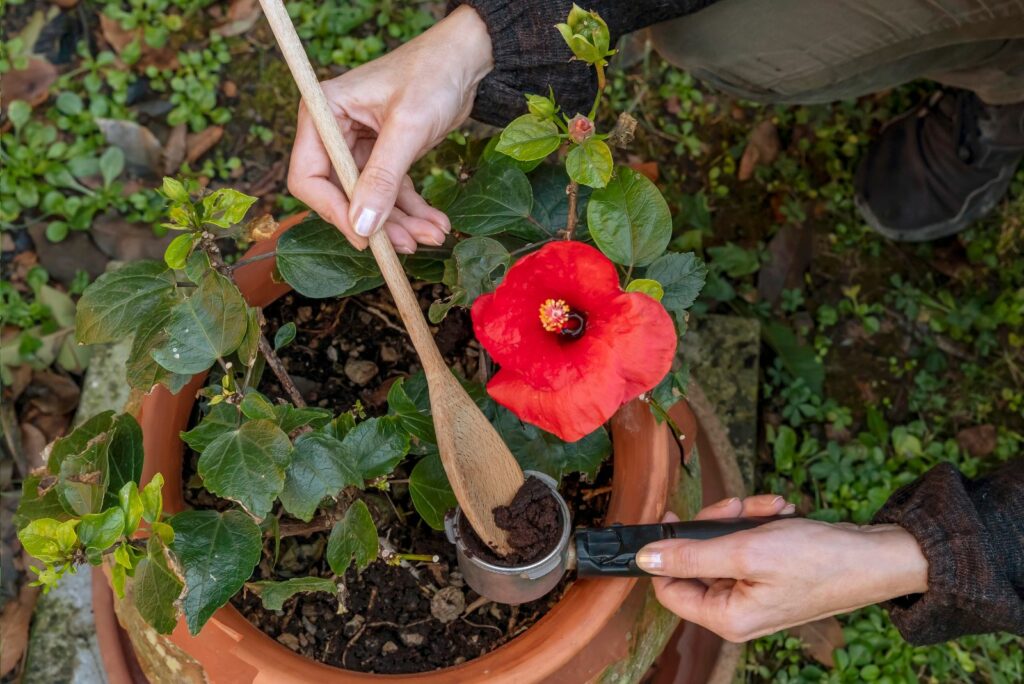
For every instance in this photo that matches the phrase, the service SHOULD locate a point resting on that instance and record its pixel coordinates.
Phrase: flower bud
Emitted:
(541, 106)
(580, 128)
(586, 35)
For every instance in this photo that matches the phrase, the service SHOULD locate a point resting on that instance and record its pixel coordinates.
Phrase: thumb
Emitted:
(381, 178)
(691, 558)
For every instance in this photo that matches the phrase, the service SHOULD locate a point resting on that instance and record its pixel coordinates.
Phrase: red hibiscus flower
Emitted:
(573, 347)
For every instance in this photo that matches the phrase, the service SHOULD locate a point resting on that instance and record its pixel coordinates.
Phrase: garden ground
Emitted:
(879, 360)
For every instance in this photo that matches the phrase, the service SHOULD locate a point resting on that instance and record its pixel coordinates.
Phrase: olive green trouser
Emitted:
(814, 51)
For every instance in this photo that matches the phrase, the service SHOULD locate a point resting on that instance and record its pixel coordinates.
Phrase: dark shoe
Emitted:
(936, 169)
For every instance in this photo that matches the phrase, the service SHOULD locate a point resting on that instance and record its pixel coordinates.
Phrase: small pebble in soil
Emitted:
(447, 604)
(360, 371)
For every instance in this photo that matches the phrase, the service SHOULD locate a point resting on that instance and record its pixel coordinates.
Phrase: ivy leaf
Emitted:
(320, 467)
(221, 418)
(226, 207)
(142, 371)
(417, 423)
(497, 199)
(99, 531)
(250, 347)
(478, 264)
(157, 588)
(209, 324)
(217, 553)
(247, 465)
(529, 137)
(629, 219)
(176, 254)
(152, 496)
(284, 335)
(682, 276)
(131, 505)
(49, 540)
(354, 537)
(651, 288)
(112, 307)
(536, 449)
(83, 477)
(375, 447)
(256, 406)
(274, 594)
(431, 493)
(590, 163)
(290, 418)
(317, 260)
(124, 456)
(36, 503)
(79, 438)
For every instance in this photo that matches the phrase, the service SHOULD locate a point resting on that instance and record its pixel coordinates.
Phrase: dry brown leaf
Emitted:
(142, 151)
(126, 241)
(762, 149)
(262, 228)
(649, 169)
(200, 143)
(790, 250)
(31, 84)
(820, 639)
(14, 624)
(116, 35)
(979, 441)
(175, 148)
(52, 393)
(242, 16)
(33, 441)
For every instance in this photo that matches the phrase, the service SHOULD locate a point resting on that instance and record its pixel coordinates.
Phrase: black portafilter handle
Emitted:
(611, 551)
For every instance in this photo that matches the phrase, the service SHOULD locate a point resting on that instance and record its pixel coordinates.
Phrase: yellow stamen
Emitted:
(554, 314)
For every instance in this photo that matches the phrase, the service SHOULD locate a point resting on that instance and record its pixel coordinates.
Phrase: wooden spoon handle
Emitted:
(348, 174)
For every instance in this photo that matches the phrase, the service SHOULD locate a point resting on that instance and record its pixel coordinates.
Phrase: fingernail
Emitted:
(439, 239)
(788, 509)
(726, 502)
(649, 560)
(367, 222)
(404, 249)
(777, 500)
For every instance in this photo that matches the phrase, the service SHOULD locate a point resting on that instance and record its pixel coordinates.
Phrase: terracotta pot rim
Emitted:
(578, 617)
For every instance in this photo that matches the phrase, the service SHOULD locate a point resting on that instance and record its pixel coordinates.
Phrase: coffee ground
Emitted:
(532, 520)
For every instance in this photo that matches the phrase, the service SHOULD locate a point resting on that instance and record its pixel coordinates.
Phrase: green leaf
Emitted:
(112, 307)
(590, 163)
(255, 406)
(152, 496)
(83, 477)
(226, 207)
(69, 103)
(800, 360)
(247, 465)
(37, 502)
(217, 553)
(478, 264)
(164, 531)
(431, 493)
(536, 449)
(320, 467)
(317, 260)
(142, 371)
(49, 540)
(19, 113)
(124, 456)
(78, 440)
(118, 578)
(131, 505)
(157, 588)
(284, 335)
(177, 253)
(290, 418)
(735, 260)
(529, 137)
(551, 204)
(375, 447)
(497, 199)
(274, 594)
(209, 324)
(221, 418)
(111, 165)
(651, 288)
(249, 348)
(353, 537)
(629, 219)
(682, 276)
(100, 531)
(417, 423)
(197, 265)
(174, 190)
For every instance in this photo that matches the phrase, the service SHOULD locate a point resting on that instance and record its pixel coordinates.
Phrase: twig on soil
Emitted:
(483, 626)
(476, 605)
(599, 491)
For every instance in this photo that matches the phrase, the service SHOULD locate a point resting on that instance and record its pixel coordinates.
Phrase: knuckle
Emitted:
(381, 180)
(747, 558)
(684, 559)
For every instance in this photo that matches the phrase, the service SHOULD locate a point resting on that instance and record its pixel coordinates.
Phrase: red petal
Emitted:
(644, 340)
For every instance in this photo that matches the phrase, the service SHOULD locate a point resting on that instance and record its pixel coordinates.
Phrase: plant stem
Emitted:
(572, 190)
(251, 260)
(421, 557)
(274, 361)
(600, 89)
(677, 432)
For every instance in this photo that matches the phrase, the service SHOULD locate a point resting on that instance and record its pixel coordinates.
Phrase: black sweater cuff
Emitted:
(530, 55)
(972, 534)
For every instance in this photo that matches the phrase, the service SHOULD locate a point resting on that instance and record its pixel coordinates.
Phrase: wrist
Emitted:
(465, 29)
(904, 564)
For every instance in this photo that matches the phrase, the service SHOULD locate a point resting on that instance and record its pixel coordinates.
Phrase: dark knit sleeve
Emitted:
(972, 533)
(530, 55)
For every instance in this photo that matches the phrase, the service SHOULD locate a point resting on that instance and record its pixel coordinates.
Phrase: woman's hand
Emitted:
(391, 111)
(784, 573)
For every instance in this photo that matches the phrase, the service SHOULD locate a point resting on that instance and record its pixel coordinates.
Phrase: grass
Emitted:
(916, 343)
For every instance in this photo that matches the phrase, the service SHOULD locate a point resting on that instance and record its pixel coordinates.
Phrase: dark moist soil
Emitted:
(391, 619)
(533, 523)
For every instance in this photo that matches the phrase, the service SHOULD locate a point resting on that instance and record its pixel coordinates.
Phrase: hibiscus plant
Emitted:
(572, 293)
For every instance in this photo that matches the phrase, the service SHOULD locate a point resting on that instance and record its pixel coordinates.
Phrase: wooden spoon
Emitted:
(482, 471)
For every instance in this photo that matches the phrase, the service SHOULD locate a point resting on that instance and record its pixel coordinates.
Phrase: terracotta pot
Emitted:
(593, 627)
